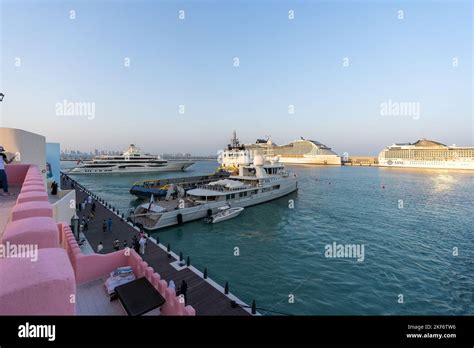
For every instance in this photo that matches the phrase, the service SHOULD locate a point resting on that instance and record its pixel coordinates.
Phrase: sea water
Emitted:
(302, 254)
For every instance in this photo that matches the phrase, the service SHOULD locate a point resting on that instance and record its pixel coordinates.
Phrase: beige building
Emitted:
(30, 148)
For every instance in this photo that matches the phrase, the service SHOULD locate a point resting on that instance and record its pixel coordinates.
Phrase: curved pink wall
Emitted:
(41, 231)
(44, 287)
(92, 267)
(16, 173)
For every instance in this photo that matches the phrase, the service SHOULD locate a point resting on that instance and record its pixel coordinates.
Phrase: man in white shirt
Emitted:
(3, 173)
(142, 243)
(100, 247)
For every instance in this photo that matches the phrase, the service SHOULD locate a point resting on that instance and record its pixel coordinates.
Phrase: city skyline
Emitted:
(356, 78)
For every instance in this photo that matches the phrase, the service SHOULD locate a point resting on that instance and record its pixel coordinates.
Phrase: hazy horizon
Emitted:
(358, 75)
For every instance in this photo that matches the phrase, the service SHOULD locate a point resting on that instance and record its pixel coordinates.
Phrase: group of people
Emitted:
(107, 225)
(139, 243)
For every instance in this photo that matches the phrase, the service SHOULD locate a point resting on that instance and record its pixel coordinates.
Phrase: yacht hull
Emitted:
(170, 218)
(171, 166)
(401, 163)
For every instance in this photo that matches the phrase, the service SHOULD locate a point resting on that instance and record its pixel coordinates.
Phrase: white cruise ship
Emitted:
(255, 183)
(300, 151)
(427, 154)
(131, 161)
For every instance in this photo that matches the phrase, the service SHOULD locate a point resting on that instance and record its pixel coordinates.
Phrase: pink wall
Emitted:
(45, 287)
(42, 287)
(40, 231)
(95, 266)
(16, 173)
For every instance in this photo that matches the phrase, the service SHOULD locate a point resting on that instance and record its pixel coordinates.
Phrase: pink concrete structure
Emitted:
(45, 233)
(44, 287)
(37, 188)
(31, 209)
(48, 285)
(17, 173)
(32, 182)
(91, 267)
(32, 196)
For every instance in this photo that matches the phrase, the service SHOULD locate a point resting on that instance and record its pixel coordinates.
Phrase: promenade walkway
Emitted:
(202, 294)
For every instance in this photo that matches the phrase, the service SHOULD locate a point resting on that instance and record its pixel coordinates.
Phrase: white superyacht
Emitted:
(257, 181)
(131, 161)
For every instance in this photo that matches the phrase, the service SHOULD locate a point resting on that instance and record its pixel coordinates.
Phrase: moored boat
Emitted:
(131, 161)
(224, 213)
(257, 182)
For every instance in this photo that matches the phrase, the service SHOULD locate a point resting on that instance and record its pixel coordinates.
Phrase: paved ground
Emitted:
(206, 299)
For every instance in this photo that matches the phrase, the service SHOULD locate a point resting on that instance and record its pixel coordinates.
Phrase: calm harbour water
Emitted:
(408, 244)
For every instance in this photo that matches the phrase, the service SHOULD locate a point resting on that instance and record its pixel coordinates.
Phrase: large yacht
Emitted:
(427, 154)
(131, 161)
(256, 182)
(300, 151)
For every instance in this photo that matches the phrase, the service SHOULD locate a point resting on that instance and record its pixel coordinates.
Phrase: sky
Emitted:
(326, 73)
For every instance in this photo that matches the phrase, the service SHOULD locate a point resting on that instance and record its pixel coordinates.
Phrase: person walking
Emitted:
(109, 225)
(104, 226)
(183, 290)
(93, 207)
(135, 244)
(142, 243)
(116, 245)
(100, 247)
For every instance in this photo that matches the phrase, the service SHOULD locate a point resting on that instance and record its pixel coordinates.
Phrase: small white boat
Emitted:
(225, 213)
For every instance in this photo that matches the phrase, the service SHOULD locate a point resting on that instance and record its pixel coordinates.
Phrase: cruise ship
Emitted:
(300, 151)
(131, 161)
(427, 154)
(256, 182)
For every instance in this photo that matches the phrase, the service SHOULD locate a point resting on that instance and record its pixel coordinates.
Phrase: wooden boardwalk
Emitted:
(204, 297)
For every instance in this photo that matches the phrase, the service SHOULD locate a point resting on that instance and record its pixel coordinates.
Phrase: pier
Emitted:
(361, 161)
(206, 296)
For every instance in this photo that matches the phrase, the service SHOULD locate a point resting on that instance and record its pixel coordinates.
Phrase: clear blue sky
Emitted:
(282, 62)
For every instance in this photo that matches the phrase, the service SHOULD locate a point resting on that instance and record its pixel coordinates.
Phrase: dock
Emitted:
(361, 161)
(206, 296)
